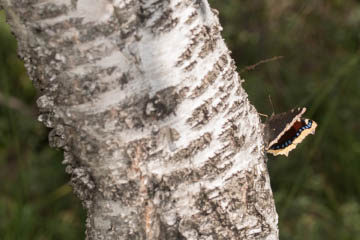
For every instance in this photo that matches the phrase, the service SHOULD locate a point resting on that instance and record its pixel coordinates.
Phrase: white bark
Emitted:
(159, 137)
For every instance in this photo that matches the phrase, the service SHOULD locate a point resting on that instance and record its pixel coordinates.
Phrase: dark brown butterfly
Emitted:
(284, 131)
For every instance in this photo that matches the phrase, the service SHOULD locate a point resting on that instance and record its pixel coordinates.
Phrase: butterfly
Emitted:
(285, 130)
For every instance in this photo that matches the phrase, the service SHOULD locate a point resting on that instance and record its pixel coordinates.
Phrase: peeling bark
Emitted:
(158, 135)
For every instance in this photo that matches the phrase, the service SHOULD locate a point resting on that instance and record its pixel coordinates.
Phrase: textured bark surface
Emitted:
(158, 135)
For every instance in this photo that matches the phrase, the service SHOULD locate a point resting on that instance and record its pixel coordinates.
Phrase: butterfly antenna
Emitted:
(272, 106)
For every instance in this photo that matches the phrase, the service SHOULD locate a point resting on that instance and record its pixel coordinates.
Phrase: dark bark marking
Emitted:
(206, 38)
(81, 180)
(201, 115)
(191, 18)
(189, 49)
(230, 135)
(211, 38)
(162, 104)
(211, 76)
(213, 212)
(170, 233)
(191, 66)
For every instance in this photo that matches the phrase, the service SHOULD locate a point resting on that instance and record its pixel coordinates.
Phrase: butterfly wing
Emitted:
(278, 124)
(293, 136)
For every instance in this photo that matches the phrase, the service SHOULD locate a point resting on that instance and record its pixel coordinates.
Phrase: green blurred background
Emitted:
(317, 188)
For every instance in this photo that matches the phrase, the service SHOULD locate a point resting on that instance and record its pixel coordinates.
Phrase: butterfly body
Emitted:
(284, 131)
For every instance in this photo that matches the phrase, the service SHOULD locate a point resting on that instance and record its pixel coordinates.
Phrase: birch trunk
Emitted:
(158, 135)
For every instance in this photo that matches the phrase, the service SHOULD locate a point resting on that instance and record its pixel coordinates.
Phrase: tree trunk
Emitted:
(158, 135)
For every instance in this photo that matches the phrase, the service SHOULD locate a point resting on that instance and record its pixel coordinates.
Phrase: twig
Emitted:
(252, 67)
